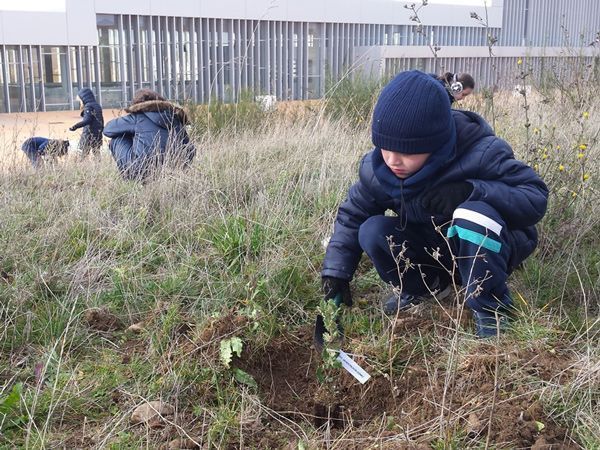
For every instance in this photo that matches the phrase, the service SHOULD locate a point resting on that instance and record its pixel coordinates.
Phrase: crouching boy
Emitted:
(152, 135)
(436, 167)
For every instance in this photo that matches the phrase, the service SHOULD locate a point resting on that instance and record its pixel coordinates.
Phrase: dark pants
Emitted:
(90, 143)
(35, 157)
(478, 239)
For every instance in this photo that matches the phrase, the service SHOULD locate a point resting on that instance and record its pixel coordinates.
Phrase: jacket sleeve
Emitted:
(88, 118)
(190, 148)
(344, 251)
(510, 186)
(120, 126)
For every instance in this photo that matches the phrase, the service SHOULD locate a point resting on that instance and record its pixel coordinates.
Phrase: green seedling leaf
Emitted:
(228, 348)
(244, 378)
(226, 353)
(9, 406)
(236, 345)
(12, 400)
(320, 375)
(540, 426)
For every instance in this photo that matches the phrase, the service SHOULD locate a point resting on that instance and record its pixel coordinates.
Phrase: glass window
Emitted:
(2, 81)
(54, 62)
(109, 59)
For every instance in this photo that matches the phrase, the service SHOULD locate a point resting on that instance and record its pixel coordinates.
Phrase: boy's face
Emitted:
(404, 165)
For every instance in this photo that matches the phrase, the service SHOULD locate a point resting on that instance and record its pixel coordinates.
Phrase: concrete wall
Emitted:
(74, 26)
(77, 25)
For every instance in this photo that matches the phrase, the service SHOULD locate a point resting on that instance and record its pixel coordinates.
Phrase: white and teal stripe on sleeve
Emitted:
(475, 237)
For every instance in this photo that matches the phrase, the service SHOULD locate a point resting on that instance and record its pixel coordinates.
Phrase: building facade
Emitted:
(209, 50)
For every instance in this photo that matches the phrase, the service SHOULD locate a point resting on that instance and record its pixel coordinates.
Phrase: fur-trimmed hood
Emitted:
(160, 106)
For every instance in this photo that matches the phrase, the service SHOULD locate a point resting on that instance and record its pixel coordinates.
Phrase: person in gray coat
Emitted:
(151, 135)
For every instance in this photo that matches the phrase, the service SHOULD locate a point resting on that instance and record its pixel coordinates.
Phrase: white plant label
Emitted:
(354, 369)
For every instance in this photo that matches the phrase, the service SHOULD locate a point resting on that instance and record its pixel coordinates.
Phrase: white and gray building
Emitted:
(208, 50)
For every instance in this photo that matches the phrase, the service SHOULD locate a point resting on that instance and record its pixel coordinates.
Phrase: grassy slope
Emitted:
(233, 248)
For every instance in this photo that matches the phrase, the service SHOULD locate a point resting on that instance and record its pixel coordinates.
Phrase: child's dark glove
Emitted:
(334, 286)
(444, 199)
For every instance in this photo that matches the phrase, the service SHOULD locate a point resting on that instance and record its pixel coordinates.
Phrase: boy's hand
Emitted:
(334, 286)
(444, 199)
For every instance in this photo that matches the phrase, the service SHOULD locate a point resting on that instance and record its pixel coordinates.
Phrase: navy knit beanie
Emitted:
(412, 115)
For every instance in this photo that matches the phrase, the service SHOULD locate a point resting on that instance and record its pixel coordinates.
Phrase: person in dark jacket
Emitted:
(151, 135)
(92, 123)
(453, 185)
(38, 149)
(457, 85)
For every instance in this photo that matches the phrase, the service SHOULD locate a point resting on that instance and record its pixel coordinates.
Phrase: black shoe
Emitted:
(394, 304)
(489, 324)
(405, 301)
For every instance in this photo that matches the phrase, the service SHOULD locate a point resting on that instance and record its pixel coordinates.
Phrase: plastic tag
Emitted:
(354, 369)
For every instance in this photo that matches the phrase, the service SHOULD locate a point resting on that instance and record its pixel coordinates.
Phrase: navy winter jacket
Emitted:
(152, 132)
(37, 147)
(479, 157)
(92, 121)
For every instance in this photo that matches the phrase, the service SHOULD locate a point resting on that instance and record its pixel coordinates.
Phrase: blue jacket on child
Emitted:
(465, 208)
(92, 122)
(487, 162)
(152, 134)
(37, 147)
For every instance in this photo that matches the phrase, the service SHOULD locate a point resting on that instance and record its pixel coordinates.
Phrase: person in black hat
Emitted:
(444, 170)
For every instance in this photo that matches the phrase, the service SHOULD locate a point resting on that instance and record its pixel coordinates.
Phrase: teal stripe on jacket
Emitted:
(475, 238)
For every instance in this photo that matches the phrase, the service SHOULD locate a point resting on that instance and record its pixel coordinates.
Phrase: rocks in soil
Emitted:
(136, 328)
(102, 319)
(152, 414)
(183, 443)
(474, 426)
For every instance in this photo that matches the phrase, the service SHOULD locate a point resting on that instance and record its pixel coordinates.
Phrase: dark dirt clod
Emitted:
(102, 320)
(6, 277)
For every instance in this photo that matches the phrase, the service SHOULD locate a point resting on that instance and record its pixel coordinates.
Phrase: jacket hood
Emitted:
(470, 128)
(160, 112)
(87, 96)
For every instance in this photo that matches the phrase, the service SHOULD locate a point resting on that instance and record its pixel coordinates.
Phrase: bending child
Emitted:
(434, 166)
(40, 149)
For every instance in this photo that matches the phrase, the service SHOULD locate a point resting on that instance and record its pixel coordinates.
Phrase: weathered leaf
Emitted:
(244, 378)
(228, 348)
(226, 353)
(236, 345)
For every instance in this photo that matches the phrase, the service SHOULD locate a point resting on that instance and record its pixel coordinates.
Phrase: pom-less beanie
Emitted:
(412, 115)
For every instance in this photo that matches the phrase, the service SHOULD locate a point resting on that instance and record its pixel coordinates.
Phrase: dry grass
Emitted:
(232, 247)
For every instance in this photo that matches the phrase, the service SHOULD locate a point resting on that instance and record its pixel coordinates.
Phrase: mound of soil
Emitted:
(101, 319)
(425, 398)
